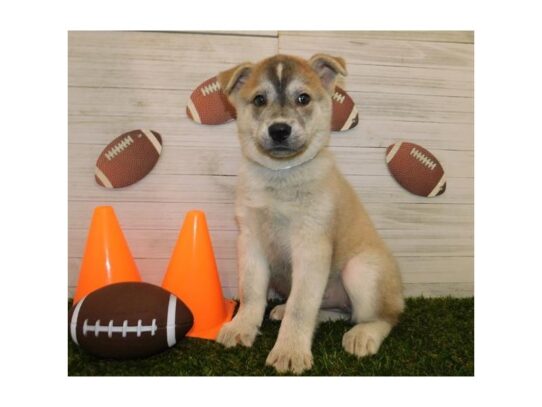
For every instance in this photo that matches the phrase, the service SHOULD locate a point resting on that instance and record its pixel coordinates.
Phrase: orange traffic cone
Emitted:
(193, 277)
(107, 258)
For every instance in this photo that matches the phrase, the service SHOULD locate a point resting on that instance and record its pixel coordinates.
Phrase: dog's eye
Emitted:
(259, 100)
(303, 99)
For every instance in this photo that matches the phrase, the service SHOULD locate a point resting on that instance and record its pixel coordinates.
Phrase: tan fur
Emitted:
(303, 229)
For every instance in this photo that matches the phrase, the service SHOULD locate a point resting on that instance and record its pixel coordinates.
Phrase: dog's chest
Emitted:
(273, 219)
(279, 201)
(279, 208)
(274, 212)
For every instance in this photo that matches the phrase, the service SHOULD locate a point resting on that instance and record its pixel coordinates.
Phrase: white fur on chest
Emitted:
(269, 214)
(276, 205)
(290, 192)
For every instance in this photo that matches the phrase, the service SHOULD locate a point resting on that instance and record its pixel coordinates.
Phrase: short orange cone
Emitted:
(192, 276)
(107, 258)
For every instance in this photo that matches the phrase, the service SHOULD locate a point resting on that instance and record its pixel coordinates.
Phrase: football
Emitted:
(209, 105)
(128, 158)
(416, 169)
(344, 114)
(128, 320)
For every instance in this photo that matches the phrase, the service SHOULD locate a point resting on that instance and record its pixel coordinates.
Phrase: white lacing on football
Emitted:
(119, 147)
(429, 163)
(212, 87)
(338, 97)
(110, 328)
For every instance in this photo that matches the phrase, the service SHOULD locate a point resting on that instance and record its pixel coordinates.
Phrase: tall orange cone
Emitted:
(107, 258)
(192, 276)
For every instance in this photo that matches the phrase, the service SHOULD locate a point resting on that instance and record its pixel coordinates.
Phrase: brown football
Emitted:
(128, 158)
(344, 112)
(416, 169)
(128, 320)
(209, 105)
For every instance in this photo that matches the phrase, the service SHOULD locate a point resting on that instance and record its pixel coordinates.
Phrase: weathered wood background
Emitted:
(416, 86)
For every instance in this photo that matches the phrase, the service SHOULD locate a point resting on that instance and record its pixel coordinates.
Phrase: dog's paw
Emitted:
(289, 358)
(277, 313)
(237, 333)
(362, 340)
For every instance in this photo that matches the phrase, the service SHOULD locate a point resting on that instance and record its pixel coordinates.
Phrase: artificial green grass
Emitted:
(435, 337)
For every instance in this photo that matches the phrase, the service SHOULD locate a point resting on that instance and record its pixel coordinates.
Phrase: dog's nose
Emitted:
(279, 131)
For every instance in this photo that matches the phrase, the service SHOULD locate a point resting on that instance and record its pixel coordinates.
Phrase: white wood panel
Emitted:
(133, 64)
(153, 104)
(413, 269)
(405, 107)
(153, 60)
(409, 80)
(100, 130)
(158, 215)
(426, 36)
(220, 216)
(224, 160)
(416, 271)
(415, 86)
(92, 129)
(357, 49)
(210, 188)
(432, 135)
(254, 33)
(427, 241)
(153, 270)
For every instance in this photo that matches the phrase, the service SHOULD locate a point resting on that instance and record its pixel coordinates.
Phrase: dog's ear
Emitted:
(327, 68)
(233, 79)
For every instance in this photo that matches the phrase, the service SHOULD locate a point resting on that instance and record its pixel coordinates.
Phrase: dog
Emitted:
(303, 230)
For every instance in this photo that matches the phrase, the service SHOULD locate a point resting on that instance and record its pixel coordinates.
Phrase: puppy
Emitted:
(303, 230)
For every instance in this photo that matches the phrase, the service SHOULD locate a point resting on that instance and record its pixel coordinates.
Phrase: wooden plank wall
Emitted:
(416, 86)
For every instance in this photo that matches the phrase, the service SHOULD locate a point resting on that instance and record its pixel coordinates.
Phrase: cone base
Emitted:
(212, 333)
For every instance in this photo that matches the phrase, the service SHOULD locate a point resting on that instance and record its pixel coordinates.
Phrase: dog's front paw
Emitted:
(362, 340)
(289, 358)
(237, 333)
